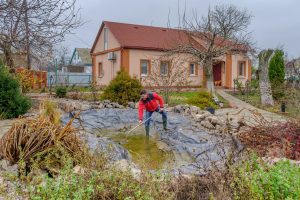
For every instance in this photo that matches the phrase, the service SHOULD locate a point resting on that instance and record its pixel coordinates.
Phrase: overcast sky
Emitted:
(275, 22)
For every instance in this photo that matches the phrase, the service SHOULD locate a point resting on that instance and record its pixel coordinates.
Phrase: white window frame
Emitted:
(167, 68)
(105, 31)
(141, 67)
(100, 71)
(242, 73)
(194, 71)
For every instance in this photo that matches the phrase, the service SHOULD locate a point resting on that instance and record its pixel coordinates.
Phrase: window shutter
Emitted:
(196, 69)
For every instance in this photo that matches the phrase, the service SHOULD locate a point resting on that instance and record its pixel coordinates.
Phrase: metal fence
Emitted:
(69, 79)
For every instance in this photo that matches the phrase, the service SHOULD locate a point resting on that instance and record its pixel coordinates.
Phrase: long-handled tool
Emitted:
(138, 125)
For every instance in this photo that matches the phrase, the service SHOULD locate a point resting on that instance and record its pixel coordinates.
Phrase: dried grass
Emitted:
(32, 136)
(281, 139)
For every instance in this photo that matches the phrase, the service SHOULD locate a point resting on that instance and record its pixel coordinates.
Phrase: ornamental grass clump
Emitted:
(30, 138)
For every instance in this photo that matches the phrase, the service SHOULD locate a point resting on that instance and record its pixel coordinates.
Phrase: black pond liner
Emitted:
(183, 138)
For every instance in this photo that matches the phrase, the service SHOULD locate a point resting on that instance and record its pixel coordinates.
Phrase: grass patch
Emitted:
(292, 110)
(189, 97)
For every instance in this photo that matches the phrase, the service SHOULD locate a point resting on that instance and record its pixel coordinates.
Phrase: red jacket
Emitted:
(150, 104)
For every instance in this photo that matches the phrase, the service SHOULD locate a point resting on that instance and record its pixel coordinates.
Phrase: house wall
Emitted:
(235, 60)
(110, 68)
(112, 42)
(135, 57)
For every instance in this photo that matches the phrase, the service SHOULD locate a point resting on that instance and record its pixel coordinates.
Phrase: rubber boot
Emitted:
(147, 130)
(165, 125)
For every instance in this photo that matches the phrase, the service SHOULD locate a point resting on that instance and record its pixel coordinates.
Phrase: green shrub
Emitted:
(102, 183)
(61, 91)
(12, 102)
(203, 100)
(254, 179)
(122, 89)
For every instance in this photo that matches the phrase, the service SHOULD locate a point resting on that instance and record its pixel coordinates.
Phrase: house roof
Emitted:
(135, 36)
(143, 37)
(84, 54)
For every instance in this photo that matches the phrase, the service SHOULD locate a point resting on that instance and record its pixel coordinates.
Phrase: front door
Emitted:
(217, 71)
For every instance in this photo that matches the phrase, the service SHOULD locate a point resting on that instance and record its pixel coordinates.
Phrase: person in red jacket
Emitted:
(151, 102)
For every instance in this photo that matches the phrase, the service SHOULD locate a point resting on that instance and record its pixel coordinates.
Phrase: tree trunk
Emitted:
(8, 60)
(208, 66)
(264, 81)
(27, 37)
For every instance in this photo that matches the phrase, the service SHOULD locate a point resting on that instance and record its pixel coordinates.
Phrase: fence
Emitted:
(38, 78)
(69, 79)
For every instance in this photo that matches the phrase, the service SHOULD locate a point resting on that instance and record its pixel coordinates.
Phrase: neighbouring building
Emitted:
(81, 61)
(133, 47)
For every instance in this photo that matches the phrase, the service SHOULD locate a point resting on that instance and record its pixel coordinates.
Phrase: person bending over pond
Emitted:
(152, 102)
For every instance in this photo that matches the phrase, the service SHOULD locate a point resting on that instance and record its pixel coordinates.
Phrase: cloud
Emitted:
(275, 22)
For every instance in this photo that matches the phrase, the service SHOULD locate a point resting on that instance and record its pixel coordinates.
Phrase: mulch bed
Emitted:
(281, 140)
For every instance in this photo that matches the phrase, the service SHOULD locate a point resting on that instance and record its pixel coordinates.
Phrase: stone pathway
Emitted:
(243, 109)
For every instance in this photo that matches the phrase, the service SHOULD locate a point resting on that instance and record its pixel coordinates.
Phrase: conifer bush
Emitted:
(123, 89)
(61, 92)
(12, 102)
(277, 74)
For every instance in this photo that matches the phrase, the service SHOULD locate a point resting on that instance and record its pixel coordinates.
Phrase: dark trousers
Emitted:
(149, 114)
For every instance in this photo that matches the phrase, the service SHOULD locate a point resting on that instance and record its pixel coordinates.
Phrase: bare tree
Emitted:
(223, 31)
(34, 26)
(167, 73)
(264, 81)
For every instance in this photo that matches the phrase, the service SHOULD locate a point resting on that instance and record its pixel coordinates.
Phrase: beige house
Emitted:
(134, 47)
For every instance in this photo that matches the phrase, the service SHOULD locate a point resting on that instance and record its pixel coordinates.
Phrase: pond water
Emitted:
(146, 152)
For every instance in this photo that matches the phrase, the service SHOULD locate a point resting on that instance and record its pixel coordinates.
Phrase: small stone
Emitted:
(85, 107)
(207, 124)
(219, 128)
(108, 106)
(213, 120)
(106, 101)
(178, 109)
(194, 110)
(131, 105)
(78, 170)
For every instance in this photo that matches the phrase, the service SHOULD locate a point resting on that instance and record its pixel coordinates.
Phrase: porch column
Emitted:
(249, 65)
(228, 81)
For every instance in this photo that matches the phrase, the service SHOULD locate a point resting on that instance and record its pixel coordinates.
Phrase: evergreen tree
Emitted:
(277, 74)
(123, 89)
(12, 102)
(276, 68)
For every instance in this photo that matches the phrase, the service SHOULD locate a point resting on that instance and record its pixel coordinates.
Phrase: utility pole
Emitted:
(27, 35)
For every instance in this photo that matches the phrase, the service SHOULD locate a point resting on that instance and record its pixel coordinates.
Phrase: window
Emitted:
(192, 69)
(241, 69)
(164, 68)
(100, 70)
(105, 38)
(145, 65)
